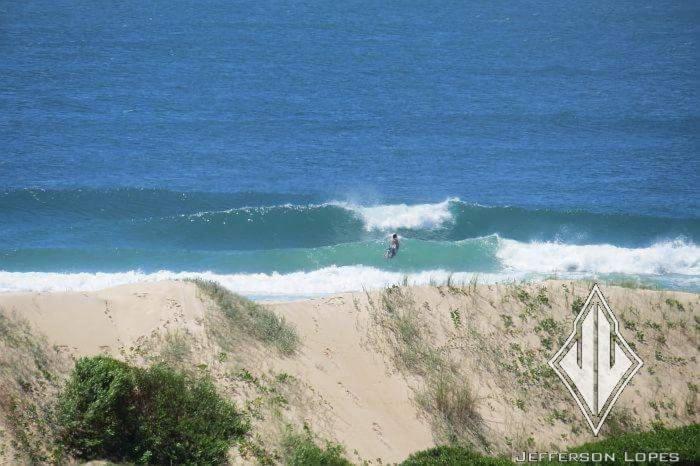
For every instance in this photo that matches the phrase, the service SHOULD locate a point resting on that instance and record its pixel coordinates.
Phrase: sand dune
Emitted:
(391, 372)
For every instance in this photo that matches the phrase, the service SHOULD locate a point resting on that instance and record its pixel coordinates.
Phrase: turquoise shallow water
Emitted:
(254, 139)
(90, 238)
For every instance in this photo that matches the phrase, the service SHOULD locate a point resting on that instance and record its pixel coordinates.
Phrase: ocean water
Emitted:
(274, 146)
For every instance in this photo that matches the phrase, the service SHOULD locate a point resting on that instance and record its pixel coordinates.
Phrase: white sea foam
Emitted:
(323, 281)
(674, 263)
(672, 257)
(394, 216)
(383, 217)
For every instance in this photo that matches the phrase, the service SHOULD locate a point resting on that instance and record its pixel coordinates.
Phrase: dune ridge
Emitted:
(384, 373)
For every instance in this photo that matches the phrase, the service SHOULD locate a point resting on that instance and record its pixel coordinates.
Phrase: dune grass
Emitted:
(633, 283)
(408, 336)
(445, 395)
(176, 347)
(245, 317)
(453, 405)
(30, 375)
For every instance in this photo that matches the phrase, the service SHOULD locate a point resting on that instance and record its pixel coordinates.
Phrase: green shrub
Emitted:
(95, 411)
(453, 455)
(300, 449)
(681, 440)
(251, 318)
(111, 410)
(577, 305)
(675, 303)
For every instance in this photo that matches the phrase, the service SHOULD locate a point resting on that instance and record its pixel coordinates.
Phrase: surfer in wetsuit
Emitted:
(393, 246)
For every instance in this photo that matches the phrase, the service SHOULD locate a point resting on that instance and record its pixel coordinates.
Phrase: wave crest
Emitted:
(671, 257)
(675, 264)
(403, 216)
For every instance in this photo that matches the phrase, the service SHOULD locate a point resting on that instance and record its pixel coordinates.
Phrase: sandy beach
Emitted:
(355, 378)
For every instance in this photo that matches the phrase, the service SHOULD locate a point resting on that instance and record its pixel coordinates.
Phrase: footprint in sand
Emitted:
(378, 430)
(350, 394)
(108, 312)
(176, 309)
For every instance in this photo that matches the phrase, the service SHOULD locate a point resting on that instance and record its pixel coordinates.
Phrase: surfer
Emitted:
(393, 247)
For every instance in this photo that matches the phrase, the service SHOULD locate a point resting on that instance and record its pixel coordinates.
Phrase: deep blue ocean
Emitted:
(274, 146)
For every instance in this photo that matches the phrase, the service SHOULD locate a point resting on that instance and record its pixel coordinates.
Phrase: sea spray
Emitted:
(403, 216)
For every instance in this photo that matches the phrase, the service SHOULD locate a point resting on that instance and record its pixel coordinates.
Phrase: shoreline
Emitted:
(325, 282)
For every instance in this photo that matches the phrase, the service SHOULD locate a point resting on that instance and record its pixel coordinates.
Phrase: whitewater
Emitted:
(676, 265)
(87, 240)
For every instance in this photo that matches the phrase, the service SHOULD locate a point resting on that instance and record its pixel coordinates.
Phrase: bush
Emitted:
(453, 455)
(244, 315)
(577, 305)
(301, 450)
(681, 440)
(111, 410)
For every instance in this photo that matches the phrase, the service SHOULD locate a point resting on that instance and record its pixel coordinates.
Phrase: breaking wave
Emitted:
(675, 264)
(252, 221)
(672, 257)
(403, 216)
(295, 245)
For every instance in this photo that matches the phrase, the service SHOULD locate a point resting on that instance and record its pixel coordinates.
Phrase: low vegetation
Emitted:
(112, 410)
(168, 411)
(301, 449)
(452, 402)
(577, 305)
(30, 377)
(445, 394)
(682, 440)
(453, 455)
(407, 333)
(633, 284)
(176, 347)
(245, 317)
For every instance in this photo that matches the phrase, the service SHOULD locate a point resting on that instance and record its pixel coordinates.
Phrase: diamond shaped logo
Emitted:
(595, 363)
